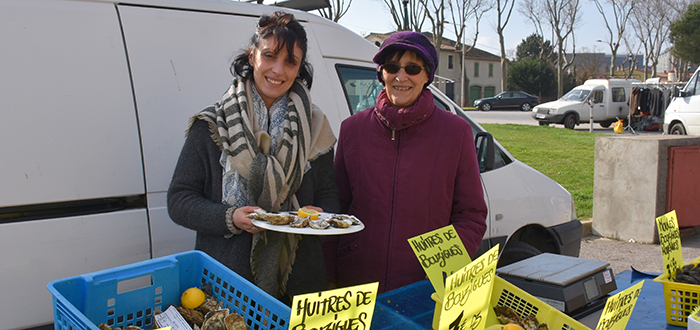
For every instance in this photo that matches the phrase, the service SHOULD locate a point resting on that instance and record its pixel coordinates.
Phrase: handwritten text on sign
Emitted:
(468, 294)
(618, 309)
(441, 253)
(345, 308)
(670, 242)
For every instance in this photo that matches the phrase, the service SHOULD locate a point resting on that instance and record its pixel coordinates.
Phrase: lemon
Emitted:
(512, 326)
(304, 212)
(192, 298)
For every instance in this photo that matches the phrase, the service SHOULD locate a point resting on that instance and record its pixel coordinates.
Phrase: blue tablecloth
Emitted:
(410, 307)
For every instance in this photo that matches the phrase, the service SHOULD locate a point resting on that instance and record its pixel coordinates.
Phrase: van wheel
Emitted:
(677, 129)
(605, 124)
(525, 107)
(516, 251)
(486, 107)
(570, 121)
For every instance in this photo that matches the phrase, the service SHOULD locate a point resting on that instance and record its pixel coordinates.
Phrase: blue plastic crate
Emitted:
(118, 296)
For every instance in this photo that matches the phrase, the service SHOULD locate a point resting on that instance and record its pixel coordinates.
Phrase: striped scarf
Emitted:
(272, 180)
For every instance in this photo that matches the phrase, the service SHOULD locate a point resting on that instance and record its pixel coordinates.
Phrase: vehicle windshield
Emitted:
(576, 95)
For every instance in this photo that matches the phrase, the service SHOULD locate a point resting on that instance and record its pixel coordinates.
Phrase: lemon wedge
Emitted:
(304, 212)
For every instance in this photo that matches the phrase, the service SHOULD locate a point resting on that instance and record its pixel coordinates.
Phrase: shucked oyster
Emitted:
(354, 220)
(319, 224)
(300, 222)
(273, 218)
(337, 223)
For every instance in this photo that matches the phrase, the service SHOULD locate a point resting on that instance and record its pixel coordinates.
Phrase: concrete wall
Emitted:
(629, 184)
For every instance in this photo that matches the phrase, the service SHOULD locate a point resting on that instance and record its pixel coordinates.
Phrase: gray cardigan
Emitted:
(194, 201)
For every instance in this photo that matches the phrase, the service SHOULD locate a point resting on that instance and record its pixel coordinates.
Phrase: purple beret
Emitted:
(408, 40)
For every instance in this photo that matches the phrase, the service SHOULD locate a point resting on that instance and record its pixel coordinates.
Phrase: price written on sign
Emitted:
(468, 294)
(670, 242)
(440, 253)
(345, 308)
(618, 309)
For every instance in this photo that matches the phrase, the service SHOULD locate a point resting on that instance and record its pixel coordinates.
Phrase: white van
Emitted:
(609, 98)
(95, 98)
(682, 114)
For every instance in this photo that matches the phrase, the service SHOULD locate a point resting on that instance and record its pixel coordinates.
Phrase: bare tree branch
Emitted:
(334, 13)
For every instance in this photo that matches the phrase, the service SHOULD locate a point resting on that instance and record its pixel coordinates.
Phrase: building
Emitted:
(482, 70)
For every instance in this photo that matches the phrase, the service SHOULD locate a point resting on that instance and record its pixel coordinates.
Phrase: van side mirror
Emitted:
(485, 151)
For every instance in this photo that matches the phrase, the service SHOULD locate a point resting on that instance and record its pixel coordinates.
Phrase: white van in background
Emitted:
(609, 98)
(682, 114)
(95, 97)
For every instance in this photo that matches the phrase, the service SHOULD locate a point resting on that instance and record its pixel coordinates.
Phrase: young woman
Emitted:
(263, 145)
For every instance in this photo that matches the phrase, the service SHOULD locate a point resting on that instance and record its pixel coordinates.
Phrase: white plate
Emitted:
(308, 230)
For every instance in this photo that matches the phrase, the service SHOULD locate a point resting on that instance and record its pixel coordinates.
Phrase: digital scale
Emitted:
(574, 286)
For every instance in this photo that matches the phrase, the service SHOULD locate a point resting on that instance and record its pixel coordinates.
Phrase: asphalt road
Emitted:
(621, 255)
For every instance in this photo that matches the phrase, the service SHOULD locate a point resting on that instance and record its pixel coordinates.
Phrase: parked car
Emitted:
(508, 100)
(83, 186)
(682, 114)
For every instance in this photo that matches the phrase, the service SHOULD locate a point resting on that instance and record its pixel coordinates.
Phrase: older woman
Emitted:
(263, 145)
(404, 167)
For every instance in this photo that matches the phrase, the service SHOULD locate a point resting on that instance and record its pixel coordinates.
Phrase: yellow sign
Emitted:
(618, 309)
(670, 242)
(468, 293)
(344, 308)
(441, 253)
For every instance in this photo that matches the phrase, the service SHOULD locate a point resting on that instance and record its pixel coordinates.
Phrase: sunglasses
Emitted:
(411, 69)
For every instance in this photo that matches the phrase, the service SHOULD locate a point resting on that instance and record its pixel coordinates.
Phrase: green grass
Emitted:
(566, 156)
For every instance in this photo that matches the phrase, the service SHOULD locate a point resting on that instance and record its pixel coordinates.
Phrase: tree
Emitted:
(502, 8)
(533, 75)
(562, 18)
(651, 21)
(534, 46)
(334, 13)
(461, 12)
(416, 14)
(685, 35)
(621, 10)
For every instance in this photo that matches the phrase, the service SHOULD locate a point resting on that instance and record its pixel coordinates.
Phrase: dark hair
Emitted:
(287, 31)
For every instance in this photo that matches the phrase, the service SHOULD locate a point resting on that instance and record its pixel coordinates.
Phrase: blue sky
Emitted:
(366, 16)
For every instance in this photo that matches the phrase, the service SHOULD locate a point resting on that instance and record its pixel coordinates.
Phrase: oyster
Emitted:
(300, 222)
(273, 218)
(338, 223)
(210, 303)
(235, 321)
(104, 326)
(214, 320)
(543, 326)
(192, 316)
(352, 218)
(529, 322)
(506, 315)
(319, 224)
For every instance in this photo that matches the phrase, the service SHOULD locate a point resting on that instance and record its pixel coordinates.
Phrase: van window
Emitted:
(618, 94)
(360, 85)
(597, 96)
(693, 88)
